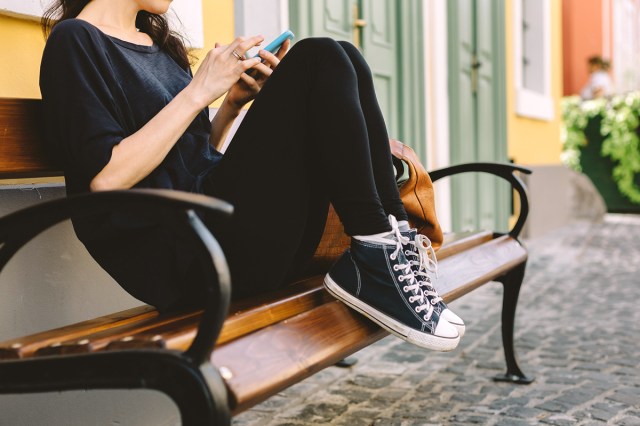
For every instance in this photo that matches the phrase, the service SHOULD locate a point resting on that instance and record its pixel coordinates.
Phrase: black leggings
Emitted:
(315, 134)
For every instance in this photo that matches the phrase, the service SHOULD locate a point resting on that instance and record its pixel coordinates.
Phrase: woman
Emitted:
(124, 111)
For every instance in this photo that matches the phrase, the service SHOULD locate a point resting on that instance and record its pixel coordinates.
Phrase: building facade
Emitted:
(608, 28)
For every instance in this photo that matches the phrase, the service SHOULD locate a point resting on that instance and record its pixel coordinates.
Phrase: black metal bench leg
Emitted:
(196, 406)
(347, 362)
(511, 283)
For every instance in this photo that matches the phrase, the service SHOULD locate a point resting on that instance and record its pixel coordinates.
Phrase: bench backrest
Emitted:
(22, 150)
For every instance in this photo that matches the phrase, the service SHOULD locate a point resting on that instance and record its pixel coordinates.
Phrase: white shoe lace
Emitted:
(413, 285)
(426, 263)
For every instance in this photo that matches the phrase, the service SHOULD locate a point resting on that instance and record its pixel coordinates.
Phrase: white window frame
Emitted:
(190, 22)
(529, 103)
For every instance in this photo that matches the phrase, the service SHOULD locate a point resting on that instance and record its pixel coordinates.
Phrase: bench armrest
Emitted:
(18, 228)
(505, 171)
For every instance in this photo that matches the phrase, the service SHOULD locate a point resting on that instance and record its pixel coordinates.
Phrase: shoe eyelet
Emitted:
(417, 309)
(405, 288)
(433, 303)
(395, 267)
(426, 318)
(401, 278)
(411, 299)
(392, 257)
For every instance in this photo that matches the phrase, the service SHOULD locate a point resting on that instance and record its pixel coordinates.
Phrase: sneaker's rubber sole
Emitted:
(416, 337)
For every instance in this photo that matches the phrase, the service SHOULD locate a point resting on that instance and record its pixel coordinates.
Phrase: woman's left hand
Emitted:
(251, 82)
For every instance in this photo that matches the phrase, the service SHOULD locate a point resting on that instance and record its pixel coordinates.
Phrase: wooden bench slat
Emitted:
(22, 347)
(178, 330)
(96, 341)
(456, 242)
(22, 153)
(285, 353)
(465, 271)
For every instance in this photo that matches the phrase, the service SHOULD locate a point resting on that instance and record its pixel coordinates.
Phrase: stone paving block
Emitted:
(513, 422)
(629, 421)
(523, 412)
(625, 398)
(507, 402)
(319, 413)
(353, 395)
(474, 419)
(559, 420)
(372, 381)
(357, 418)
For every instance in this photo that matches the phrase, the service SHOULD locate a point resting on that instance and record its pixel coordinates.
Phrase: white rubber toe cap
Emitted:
(454, 320)
(446, 330)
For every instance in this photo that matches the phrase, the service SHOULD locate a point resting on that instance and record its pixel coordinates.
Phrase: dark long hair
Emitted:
(155, 25)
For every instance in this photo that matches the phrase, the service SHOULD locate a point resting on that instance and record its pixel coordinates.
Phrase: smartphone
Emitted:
(275, 44)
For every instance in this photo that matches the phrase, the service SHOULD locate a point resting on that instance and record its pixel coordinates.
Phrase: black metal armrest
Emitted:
(18, 228)
(505, 171)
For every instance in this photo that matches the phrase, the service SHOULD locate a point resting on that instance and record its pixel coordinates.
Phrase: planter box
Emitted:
(599, 170)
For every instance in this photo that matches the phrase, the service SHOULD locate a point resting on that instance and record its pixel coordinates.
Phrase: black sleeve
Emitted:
(80, 113)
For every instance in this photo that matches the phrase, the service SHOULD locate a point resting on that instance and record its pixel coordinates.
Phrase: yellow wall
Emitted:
(21, 44)
(535, 142)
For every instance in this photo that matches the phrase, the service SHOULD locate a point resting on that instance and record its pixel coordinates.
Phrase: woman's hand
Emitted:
(250, 83)
(221, 69)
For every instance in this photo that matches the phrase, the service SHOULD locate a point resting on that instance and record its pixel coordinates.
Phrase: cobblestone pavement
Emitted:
(577, 332)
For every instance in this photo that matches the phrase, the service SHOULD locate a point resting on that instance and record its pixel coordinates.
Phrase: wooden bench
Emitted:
(223, 359)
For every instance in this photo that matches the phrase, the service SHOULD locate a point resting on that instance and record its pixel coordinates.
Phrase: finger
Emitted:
(284, 48)
(270, 58)
(248, 63)
(241, 44)
(262, 69)
(249, 81)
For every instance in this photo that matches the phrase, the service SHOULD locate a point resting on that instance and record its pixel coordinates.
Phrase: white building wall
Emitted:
(626, 42)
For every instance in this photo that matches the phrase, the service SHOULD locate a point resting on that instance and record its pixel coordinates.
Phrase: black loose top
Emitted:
(96, 91)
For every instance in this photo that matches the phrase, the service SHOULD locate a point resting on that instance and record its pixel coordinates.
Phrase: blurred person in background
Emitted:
(599, 83)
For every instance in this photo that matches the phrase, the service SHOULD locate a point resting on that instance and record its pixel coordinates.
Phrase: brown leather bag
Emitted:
(416, 194)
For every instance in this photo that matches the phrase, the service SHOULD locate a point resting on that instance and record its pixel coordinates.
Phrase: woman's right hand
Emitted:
(221, 69)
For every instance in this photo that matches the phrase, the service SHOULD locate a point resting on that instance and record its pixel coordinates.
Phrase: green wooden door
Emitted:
(377, 27)
(477, 111)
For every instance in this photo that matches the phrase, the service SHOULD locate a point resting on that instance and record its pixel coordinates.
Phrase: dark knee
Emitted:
(321, 48)
(355, 56)
(317, 44)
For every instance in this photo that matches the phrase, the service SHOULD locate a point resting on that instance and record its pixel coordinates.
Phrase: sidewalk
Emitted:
(577, 332)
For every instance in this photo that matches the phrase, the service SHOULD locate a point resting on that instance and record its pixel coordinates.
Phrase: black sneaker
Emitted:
(418, 250)
(375, 278)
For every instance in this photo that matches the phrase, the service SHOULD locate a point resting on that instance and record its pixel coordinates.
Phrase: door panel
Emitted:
(479, 201)
(486, 135)
(380, 48)
(463, 131)
(332, 18)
